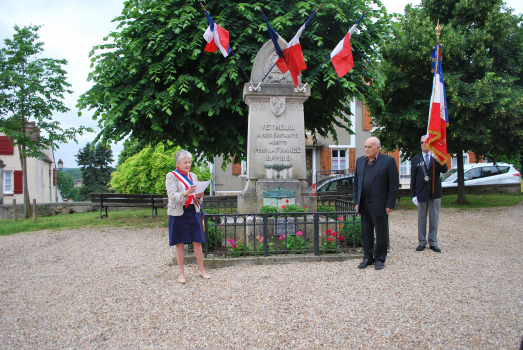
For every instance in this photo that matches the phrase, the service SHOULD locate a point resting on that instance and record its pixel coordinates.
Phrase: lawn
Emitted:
(476, 201)
(138, 219)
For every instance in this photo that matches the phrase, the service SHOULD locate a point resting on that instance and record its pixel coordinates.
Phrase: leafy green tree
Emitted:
(145, 172)
(157, 84)
(130, 148)
(482, 64)
(31, 89)
(65, 183)
(96, 169)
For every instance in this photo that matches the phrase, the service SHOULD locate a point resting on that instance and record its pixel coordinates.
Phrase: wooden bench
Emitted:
(127, 200)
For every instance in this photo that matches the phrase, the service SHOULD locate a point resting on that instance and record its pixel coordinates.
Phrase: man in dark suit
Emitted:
(425, 171)
(376, 187)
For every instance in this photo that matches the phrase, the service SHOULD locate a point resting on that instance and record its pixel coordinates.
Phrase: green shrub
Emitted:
(325, 208)
(214, 235)
(347, 231)
(259, 247)
(269, 209)
(238, 248)
(294, 208)
(210, 214)
(296, 243)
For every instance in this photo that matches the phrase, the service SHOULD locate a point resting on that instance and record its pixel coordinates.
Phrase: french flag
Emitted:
(216, 38)
(341, 56)
(438, 114)
(290, 54)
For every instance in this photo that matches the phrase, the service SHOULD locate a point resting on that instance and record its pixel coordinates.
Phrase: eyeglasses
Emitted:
(423, 142)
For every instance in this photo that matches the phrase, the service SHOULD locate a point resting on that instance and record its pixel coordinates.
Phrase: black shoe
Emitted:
(436, 249)
(420, 248)
(365, 263)
(379, 265)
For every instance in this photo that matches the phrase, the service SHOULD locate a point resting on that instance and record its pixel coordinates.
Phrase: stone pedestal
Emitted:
(276, 136)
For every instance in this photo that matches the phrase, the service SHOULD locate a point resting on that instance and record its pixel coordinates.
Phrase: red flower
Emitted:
(283, 206)
(341, 238)
(330, 239)
(287, 201)
(339, 226)
(304, 207)
(333, 233)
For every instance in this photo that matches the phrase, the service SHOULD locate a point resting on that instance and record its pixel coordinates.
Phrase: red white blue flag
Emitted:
(290, 54)
(216, 37)
(438, 114)
(341, 56)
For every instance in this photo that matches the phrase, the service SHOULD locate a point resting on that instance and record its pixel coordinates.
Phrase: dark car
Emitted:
(338, 183)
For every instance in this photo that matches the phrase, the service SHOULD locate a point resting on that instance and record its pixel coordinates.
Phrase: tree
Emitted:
(65, 183)
(130, 148)
(96, 170)
(145, 172)
(31, 89)
(482, 64)
(156, 84)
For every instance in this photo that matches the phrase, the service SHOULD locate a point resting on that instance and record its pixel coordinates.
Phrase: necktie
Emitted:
(427, 158)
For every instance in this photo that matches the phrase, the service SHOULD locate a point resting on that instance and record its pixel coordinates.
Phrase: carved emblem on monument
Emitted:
(257, 106)
(277, 105)
(295, 106)
(275, 76)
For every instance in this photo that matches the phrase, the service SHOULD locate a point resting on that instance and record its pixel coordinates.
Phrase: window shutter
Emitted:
(449, 161)
(367, 119)
(352, 158)
(6, 146)
(325, 160)
(19, 183)
(396, 155)
(236, 168)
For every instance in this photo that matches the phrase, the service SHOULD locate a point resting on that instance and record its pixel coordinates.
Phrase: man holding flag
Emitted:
(425, 181)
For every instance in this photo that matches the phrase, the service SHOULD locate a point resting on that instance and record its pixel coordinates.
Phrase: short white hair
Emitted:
(422, 136)
(181, 154)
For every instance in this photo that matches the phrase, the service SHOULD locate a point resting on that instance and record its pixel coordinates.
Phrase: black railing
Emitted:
(220, 204)
(234, 235)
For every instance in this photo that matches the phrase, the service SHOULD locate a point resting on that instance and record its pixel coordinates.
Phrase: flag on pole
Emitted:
(216, 37)
(438, 114)
(341, 56)
(290, 54)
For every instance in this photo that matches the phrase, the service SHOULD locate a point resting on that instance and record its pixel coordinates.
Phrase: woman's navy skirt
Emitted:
(186, 228)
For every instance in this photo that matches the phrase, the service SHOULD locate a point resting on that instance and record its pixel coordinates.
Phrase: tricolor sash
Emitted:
(187, 182)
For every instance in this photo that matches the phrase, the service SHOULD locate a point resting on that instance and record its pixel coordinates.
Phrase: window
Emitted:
(339, 159)
(244, 168)
(504, 169)
(405, 169)
(455, 160)
(8, 182)
(490, 171)
(472, 174)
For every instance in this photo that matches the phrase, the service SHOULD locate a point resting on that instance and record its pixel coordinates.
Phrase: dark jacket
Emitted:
(385, 183)
(418, 186)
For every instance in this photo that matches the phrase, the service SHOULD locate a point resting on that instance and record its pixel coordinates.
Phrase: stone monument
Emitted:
(276, 139)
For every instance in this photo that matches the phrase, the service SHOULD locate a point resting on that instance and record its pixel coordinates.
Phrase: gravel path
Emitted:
(115, 288)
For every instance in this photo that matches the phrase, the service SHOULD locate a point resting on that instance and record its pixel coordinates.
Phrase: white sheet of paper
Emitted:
(201, 186)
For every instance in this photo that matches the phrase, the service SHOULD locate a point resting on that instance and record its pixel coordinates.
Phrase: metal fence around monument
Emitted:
(265, 234)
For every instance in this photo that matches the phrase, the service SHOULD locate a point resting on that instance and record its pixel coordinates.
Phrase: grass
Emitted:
(137, 219)
(141, 218)
(476, 201)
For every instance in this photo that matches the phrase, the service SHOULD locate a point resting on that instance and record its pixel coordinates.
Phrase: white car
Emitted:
(483, 174)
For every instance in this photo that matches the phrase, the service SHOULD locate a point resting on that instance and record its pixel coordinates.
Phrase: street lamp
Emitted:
(60, 164)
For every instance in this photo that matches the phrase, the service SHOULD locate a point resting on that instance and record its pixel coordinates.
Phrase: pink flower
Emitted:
(231, 241)
(330, 239)
(261, 239)
(258, 236)
(340, 218)
(299, 233)
(333, 233)
(234, 245)
(282, 237)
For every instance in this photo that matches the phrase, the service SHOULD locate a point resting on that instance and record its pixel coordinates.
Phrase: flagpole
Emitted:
(438, 33)
(326, 59)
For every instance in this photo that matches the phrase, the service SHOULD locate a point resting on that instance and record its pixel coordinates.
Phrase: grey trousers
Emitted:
(431, 207)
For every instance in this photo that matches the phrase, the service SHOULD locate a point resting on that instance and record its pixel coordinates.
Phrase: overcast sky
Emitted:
(71, 28)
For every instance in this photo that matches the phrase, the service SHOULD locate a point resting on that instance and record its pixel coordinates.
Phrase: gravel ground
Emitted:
(115, 288)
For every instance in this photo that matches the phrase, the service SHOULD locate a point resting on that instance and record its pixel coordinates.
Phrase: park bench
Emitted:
(127, 200)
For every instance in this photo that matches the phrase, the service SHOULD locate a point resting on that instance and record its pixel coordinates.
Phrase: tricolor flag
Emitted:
(290, 54)
(216, 37)
(341, 56)
(438, 114)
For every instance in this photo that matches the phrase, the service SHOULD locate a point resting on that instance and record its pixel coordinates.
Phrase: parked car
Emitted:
(335, 183)
(483, 174)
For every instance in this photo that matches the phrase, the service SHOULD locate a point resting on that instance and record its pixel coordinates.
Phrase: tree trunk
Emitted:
(26, 189)
(461, 179)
